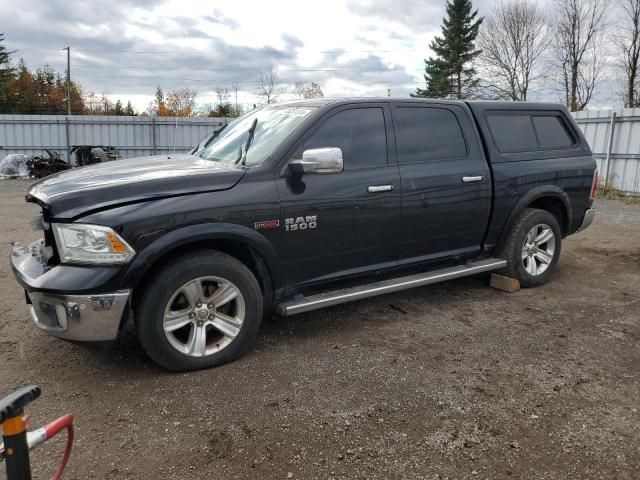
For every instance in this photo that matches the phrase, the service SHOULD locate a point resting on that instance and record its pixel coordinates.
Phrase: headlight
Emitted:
(80, 243)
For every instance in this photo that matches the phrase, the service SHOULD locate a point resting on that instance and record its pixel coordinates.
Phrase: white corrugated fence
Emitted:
(614, 137)
(132, 136)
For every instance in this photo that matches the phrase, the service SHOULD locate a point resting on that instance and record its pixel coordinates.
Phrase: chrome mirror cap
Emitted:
(318, 160)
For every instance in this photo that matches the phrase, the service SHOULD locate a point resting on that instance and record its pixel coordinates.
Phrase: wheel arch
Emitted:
(242, 243)
(551, 198)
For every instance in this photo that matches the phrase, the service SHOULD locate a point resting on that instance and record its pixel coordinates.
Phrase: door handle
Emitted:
(477, 178)
(379, 188)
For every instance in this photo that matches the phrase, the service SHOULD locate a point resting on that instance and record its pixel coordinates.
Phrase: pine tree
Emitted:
(7, 73)
(160, 105)
(128, 110)
(23, 98)
(450, 74)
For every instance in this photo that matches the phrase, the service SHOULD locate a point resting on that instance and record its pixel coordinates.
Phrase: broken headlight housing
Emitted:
(93, 244)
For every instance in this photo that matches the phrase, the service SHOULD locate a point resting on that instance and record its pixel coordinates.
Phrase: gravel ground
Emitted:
(455, 380)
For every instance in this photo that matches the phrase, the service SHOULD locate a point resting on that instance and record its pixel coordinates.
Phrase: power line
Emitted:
(254, 69)
(162, 52)
(217, 80)
(84, 67)
(245, 81)
(213, 81)
(235, 69)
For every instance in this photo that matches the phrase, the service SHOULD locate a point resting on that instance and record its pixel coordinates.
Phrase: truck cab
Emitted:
(301, 205)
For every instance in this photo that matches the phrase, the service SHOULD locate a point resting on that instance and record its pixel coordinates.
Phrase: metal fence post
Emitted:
(153, 134)
(66, 127)
(175, 136)
(612, 130)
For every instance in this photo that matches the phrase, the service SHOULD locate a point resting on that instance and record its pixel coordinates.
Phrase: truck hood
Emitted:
(69, 194)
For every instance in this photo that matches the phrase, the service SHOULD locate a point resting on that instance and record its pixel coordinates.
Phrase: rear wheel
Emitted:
(199, 311)
(532, 248)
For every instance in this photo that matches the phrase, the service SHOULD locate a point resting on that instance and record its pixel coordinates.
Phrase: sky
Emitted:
(125, 48)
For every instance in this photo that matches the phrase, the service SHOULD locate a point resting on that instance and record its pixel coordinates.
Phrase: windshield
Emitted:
(272, 125)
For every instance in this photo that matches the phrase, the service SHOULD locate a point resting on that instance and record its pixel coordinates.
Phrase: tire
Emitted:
(200, 310)
(520, 251)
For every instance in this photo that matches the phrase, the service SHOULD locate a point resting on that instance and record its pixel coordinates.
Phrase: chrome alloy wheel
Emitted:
(538, 249)
(204, 316)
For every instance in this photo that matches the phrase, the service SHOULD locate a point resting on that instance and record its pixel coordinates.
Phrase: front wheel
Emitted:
(199, 311)
(532, 248)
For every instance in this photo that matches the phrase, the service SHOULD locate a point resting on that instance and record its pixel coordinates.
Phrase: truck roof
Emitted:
(478, 104)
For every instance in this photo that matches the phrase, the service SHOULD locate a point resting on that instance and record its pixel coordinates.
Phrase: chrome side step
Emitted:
(313, 302)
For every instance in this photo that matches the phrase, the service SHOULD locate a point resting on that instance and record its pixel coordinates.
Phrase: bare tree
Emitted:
(223, 108)
(307, 90)
(222, 94)
(627, 40)
(578, 48)
(181, 102)
(513, 39)
(268, 85)
(299, 89)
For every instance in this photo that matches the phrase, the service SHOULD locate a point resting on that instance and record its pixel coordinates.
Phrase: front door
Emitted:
(342, 224)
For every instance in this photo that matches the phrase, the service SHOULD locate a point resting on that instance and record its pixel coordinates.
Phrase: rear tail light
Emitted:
(594, 186)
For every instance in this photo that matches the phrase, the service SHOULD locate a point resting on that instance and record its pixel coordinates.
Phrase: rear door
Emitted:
(445, 182)
(353, 215)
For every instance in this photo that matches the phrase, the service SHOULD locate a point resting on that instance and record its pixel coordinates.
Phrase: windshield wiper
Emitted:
(214, 135)
(242, 154)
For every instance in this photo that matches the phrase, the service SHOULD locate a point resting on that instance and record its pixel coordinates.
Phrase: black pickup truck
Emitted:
(298, 206)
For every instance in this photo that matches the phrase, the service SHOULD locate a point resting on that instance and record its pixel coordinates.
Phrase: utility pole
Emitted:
(68, 49)
(235, 87)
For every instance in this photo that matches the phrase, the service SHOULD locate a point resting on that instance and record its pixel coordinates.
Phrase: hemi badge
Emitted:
(267, 224)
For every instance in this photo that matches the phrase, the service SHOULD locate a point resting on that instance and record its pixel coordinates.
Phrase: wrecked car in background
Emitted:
(18, 165)
(40, 167)
(82, 155)
(24, 166)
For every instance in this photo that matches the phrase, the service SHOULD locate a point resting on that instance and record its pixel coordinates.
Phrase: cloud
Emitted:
(291, 41)
(112, 51)
(128, 47)
(72, 12)
(417, 15)
(363, 74)
(220, 18)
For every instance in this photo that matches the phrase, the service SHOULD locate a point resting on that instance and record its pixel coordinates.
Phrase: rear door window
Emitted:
(427, 133)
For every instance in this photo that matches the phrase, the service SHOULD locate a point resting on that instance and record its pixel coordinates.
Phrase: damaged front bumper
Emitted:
(82, 318)
(75, 316)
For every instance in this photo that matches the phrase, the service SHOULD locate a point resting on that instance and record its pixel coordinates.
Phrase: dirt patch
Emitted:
(450, 381)
(622, 255)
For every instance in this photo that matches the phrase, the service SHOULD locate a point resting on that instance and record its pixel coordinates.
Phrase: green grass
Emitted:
(609, 192)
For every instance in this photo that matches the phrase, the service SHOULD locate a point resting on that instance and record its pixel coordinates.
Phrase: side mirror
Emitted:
(318, 160)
